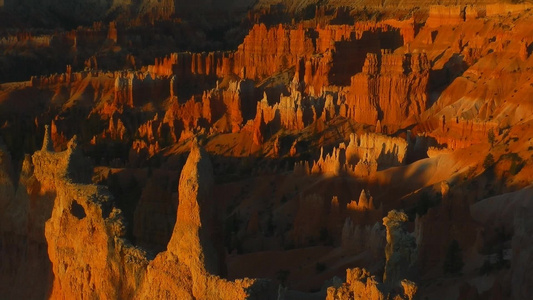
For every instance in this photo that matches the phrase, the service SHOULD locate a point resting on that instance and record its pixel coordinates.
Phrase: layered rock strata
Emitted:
(391, 88)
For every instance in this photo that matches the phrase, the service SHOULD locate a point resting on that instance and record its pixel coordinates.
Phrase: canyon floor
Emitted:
(266, 149)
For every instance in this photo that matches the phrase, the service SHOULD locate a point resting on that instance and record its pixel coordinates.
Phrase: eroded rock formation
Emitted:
(391, 88)
(374, 106)
(362, 157)
(400, 251)
(361, 285)
(85, 235)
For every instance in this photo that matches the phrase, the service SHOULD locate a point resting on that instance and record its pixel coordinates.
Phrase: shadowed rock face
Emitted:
(522, 255)
(318, 124)
(400, 251)
(23, 210)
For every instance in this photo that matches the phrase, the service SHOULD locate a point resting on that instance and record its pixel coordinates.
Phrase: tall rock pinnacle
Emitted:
(192, 239)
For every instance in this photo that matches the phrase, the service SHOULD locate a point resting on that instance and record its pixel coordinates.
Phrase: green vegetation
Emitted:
(320, 267)
(282, 276)
(425, 202)
(491, 137)
(453, 262)
(486, 268)
(325, 238)
(516, 162)
(489, 161)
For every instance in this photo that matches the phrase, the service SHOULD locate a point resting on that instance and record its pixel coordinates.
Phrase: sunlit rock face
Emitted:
(85, 235)
(390, 90)
(265, 150)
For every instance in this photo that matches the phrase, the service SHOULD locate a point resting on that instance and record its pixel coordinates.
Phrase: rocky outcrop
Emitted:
(360, 284)
(24, 209)
(222, 109)
(496, 9)
(116, 129)
(306, 228)
(343, 48)
(475, 96)
(435, 231)
(258, 129)
(461, 133)
(154, 216)
(400, 251)
(358, 238)
(469, 81)
(195, 232)
(391, 88)
(194, 256)
(235, 104)
(292, 112)
(134, 89)
(185, 64)
(354, 225)
(85, 260)
(364, 31)
(385, 150)
(91, 258)
(445, 15)
(112, 32)
(266, 51)
(362, 157)
(522, 255)
(36, 41)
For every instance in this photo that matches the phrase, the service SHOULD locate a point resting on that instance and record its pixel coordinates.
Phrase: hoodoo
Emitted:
(261, 149)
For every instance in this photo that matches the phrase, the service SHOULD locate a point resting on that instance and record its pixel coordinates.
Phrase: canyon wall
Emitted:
(266, 51)
(391, 88)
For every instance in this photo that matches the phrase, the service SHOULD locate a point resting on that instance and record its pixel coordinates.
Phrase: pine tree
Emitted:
(453, 262)
(489, 161)
(491, 137)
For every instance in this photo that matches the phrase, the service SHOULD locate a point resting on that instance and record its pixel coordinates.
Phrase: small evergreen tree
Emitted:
(486, 268)
(423, 204)
(320, 267)
(282, 276)
(489, 161)
(453, 262)
(490, 137)
(515, 167)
